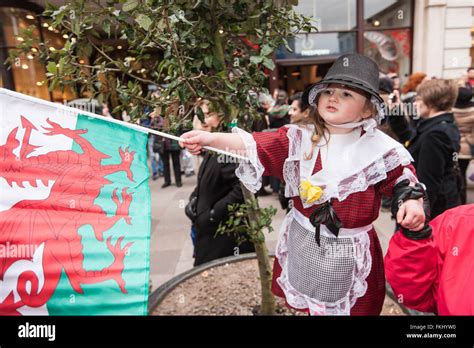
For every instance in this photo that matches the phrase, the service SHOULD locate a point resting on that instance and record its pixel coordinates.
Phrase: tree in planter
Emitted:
(206, 49)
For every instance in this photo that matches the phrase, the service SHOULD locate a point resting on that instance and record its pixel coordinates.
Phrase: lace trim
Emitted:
(371, 175)
(407, 174)
(358, 182)
(250, 173)
(294, 298)
(291, 167)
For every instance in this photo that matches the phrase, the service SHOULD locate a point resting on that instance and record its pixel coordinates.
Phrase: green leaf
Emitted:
(208, 61)
(62, 61)
(130, 5)
(144, 21)
(268, 63)
(106, 27)
(266, 50)
(229, 85)
(256, 59)
(51, 67)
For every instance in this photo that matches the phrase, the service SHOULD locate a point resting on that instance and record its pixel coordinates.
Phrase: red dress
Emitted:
(436, 274)
(357, 209)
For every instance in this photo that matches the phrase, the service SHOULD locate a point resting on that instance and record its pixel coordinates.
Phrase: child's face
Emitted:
(339, 104)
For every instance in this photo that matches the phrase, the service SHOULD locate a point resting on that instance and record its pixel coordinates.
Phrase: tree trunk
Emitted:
(265, 271)
(264, 268)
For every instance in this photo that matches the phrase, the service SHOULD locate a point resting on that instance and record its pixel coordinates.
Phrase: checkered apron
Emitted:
(326, 278)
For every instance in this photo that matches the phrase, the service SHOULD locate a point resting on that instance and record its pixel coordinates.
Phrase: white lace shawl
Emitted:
(352, 166)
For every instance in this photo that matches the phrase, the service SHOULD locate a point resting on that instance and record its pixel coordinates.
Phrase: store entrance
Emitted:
(296, 78)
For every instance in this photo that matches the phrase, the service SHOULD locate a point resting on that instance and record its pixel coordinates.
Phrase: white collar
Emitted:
(350, 162)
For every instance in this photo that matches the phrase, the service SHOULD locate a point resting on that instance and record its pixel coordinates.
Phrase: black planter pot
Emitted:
(157, 296)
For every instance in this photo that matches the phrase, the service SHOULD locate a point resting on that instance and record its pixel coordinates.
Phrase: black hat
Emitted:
(353, 70)
(385, 85)
(464, 99)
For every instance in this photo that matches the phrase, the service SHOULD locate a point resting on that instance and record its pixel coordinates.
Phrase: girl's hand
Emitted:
(195, 140)
(411, 214)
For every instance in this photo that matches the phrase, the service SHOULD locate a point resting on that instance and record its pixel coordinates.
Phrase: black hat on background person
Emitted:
(385, 85)
(464, 99)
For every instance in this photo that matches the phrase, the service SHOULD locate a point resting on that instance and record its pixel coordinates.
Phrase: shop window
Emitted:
(319, 45)
(391, 49)
(387, 13)
(330, 15)
(27, 74)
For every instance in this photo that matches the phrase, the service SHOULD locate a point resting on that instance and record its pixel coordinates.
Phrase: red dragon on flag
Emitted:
(52, 224)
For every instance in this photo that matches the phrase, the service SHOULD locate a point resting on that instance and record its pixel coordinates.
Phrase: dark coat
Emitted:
(434, 145)
(217, 188)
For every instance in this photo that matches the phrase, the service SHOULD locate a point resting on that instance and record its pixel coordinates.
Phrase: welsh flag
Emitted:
(74, 212)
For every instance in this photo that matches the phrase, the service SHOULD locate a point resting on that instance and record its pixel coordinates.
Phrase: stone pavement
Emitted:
(171, 246)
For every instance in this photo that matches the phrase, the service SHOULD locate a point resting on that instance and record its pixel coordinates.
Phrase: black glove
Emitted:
(403, 192)
(190, 209)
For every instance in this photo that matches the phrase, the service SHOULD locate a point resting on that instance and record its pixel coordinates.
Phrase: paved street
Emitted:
(171, 246)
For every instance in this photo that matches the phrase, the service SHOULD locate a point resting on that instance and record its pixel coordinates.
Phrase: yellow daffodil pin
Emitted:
(310, 192)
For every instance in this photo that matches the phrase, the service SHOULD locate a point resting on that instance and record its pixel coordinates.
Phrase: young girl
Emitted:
(328, 257)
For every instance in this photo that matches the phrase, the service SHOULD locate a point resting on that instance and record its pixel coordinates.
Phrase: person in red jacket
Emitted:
(436, 273)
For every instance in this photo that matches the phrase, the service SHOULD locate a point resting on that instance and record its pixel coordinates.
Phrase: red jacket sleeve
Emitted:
(411, 268)
(272, 150)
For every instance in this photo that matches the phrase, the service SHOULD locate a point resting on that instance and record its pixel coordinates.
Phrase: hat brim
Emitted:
(353, 84)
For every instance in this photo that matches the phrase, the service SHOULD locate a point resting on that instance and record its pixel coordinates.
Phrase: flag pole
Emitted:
(137, 127)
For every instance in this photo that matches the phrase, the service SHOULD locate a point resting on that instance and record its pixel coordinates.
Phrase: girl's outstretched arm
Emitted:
(196, 139)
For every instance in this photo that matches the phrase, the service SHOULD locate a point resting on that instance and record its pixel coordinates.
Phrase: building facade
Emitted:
(444, 37)
(402, 36)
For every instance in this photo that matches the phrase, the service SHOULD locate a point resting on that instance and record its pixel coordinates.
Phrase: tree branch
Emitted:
(105, 55)
(176, 51)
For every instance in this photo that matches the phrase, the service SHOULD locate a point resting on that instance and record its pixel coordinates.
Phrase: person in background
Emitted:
(157, 165)
(409, 88)
(278, 113)
(434, 273)
(395, 80)
(106, 110)
(389, 95)
(265, 102)
(464, 115)
(169, 149)
(409, 94)
(434, 143)
(470, 76)
(298, 111)
(217, 188)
